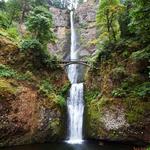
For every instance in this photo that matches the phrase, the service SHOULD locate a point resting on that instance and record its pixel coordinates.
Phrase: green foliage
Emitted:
(107, 18)
(142, 90)
(135, 110)
(31, 44)
(48, 90)
(13, 8)
(6, 88)
(45, 87)
(13, 33)
(39, 23)
(51, 61)
(91, 95)
(4, 20)
(119, 70)
(64, 89)
(95, 109)
(35, 51)
(143, 54)
(135, 114)
(40, 3)
(60, 100)
(118, 73)
(7, 72)
(133, 88)
(124, 20)
(119, 92)
(140, 14)
(148, 148)
(2, 5)
(28, 76)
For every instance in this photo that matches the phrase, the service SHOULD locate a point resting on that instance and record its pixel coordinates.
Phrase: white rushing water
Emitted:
(75, 110)
(75, 103)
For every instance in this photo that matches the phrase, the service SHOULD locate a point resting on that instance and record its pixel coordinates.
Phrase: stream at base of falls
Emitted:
(86, 145)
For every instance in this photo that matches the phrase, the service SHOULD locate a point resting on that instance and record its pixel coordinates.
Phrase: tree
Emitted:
(140, 14)
(125, 19)
(4, 21)
(13, 8)
(25, 8)
(108, 16)
(2, 5)
(39, 23)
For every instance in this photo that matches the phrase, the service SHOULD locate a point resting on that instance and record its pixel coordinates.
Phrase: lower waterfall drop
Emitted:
(75, 110)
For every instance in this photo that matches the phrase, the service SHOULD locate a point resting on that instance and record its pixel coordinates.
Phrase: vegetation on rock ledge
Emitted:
(122, 77)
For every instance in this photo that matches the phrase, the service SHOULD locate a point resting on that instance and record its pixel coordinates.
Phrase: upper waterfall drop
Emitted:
(72, 69)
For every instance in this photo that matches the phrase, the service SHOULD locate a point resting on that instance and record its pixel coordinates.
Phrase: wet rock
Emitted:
(29, 120)
(86, 27)
(61, 21)
(85, 23)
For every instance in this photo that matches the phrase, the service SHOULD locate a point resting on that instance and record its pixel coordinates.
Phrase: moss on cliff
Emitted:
(117, 95)
(7, 87)
(32, 101)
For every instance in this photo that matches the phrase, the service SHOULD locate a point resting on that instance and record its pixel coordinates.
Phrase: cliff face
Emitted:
(85, 25)
(32, 108)
(61, 29)
(117, 98)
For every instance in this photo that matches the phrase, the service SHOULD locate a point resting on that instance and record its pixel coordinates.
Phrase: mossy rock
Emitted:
(6, 88)
(136, 110)
(8, 50)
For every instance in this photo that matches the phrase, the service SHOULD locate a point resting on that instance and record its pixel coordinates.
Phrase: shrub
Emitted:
(31, 44)
(119, 92)
(6, 88)
(91, 95)
(27, 76)
(118, 73)
(34, 50)
(142, 90)
(7, 72)
(141, 54)
(64, 89)
(51, 61)
(60, 100)
(13, 33)
(4, 21)
(135, 114)
(10, 73)
(45, 87)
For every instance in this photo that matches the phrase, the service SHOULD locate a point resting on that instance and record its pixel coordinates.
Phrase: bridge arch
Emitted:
(80, 63)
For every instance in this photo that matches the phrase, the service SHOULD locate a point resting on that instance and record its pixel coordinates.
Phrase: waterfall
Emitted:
(75, 103)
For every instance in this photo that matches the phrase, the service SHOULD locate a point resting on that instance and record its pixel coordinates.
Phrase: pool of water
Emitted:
(65, 146)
